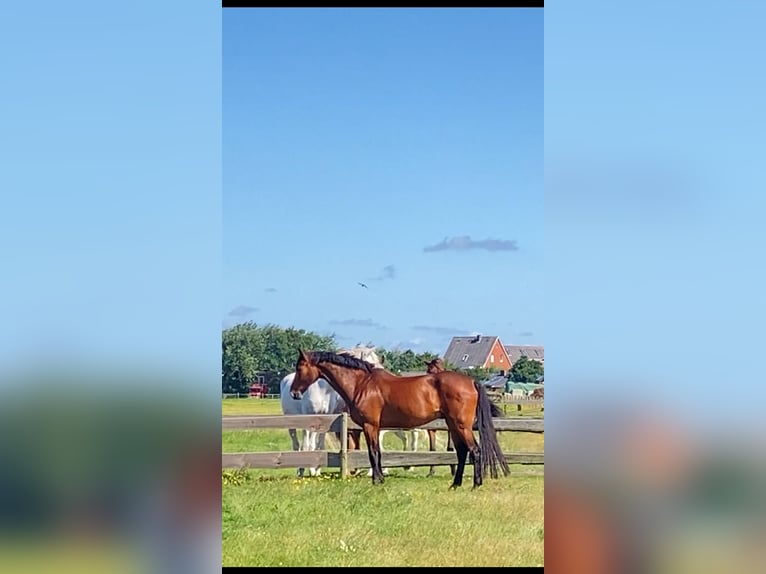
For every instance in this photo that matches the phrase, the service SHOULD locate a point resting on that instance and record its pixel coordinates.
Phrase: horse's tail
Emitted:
(495, 410)
(491, 454)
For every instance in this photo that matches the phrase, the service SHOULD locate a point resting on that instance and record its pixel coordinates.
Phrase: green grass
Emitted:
(252, 406)
(271, 518)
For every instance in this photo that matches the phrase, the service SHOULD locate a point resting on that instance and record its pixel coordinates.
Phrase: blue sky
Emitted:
(110, 228)
(398, 148)
(111, 172)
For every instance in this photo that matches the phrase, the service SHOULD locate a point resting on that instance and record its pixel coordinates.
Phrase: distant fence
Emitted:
(520, 404)
(346, 459)
(247, 396)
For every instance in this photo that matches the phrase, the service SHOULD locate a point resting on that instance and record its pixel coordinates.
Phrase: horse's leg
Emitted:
(321, 440)
(450, 446)
(431, 447)
(405, 443)
(381, 434)
(462, 453)
(309, 444)
(467, 436)
(294, 437)
(371, 434)
(354, 443)
(477, 462)
(402, 437)
(320, 445)
(413, 434)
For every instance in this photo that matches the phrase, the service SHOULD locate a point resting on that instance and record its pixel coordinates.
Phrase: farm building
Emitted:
(477, 352)
(532, 352)
(498, 382)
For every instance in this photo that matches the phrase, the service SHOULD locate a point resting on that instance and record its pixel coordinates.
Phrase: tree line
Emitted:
(251, 350)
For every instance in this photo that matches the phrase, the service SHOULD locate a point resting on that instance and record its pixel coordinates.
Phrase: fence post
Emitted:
(344, 445)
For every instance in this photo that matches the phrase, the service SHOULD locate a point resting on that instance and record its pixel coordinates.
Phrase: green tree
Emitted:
(270, 350)
(526, 370)
(242, 345)
(398, 361)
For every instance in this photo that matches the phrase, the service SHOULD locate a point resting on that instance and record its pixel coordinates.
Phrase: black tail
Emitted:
(496, 412)
(491, 454)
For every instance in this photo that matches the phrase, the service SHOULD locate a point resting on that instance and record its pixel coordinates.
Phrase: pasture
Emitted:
(271, 518)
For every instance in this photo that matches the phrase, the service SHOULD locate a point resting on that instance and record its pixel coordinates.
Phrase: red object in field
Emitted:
(259, 389)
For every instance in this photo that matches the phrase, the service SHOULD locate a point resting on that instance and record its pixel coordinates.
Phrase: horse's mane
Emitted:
(342, 359)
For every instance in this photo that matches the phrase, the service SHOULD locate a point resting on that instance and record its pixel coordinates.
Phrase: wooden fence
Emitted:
(518, 405)
(346, 459)
(505, 402)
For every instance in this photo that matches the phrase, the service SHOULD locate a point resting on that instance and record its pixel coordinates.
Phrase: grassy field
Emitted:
(272, 518)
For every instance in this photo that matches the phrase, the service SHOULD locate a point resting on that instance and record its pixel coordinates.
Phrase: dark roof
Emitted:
(497, 382)
(477, 348)
(533, 352)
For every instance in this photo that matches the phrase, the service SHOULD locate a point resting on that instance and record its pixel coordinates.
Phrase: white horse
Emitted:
(319, 399)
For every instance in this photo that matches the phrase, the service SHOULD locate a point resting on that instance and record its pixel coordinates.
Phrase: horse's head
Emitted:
(372, 357)
(306, 373)
(434, 366)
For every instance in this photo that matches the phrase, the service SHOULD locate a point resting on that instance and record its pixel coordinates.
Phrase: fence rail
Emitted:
(345, 458)
(518, 401)
(333, 423)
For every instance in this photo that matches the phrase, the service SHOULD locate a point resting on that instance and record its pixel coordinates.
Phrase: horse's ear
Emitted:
(303, 355)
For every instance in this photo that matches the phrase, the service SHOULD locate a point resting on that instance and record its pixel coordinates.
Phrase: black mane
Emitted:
(342, 359)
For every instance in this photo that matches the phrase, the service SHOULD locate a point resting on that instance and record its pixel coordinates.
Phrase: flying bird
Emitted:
(362, 284)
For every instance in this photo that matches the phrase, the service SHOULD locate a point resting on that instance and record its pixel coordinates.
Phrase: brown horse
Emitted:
(435, 366)
(378, 399)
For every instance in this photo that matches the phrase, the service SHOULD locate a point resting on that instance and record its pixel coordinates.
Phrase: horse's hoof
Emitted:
(455, 486)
